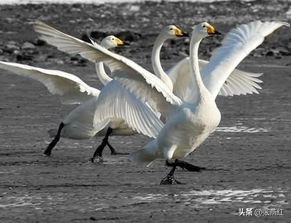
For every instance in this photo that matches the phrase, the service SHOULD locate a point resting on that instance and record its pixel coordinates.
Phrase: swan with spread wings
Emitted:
(78, 124)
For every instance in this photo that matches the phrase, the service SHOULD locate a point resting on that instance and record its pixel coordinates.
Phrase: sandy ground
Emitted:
(247, 158)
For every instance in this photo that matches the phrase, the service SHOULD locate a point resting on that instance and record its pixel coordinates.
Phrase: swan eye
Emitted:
(171, 28)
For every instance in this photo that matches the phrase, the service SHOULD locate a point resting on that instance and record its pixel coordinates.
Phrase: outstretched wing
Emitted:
(116, 102)
(145, 85)
(241, 83)
(237, 44)
(238, 83)
(70, 88)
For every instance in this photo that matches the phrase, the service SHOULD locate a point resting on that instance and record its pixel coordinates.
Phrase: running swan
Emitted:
(189, 122)
(78, 124)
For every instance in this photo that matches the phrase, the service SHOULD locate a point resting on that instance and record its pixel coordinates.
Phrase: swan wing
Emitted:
(237, 44)
(241, 83)
(70, 88)
(145, 85)
(238, 83)
(116, 102)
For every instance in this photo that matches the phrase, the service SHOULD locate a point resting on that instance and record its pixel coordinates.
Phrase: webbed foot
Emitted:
(170, 180)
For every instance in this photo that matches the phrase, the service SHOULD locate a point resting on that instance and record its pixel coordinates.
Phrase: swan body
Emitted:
(94, 118)
(192, 123)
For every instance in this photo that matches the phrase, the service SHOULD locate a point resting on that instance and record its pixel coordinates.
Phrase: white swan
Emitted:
(236, 46)
(188, 123)
(78, 124)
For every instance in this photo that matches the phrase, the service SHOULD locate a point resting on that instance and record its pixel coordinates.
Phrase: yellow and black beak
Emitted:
(180, 33)
(119, 42)
(212, 31)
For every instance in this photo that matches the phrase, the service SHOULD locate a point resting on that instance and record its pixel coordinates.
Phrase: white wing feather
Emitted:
(145, 85)
(238, 43)
(241, 83)
(116, 102)
(238, 83)
(70, 88)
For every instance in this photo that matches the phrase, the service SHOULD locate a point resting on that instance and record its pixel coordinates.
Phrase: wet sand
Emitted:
(247, 158)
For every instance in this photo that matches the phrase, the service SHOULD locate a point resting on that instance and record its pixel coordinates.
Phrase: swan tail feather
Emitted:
(142, 157)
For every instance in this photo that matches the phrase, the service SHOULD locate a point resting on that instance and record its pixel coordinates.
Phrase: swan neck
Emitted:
(100, 70)
(156, 62)
(101, 74)
(194, 46)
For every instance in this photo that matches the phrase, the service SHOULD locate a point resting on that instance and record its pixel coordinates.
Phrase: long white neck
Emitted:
(156, 63)
(100, 71)
(101, 74)
(194, 64)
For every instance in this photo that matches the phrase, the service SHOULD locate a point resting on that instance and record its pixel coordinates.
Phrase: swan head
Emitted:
(111, 41)
(172, 31)
(205, 29)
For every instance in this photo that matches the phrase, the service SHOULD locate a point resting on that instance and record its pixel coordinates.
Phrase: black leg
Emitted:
(109, 131)
(53, 143)
(185, 165)
(113, 151)
(169, 179)
(98, 152)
